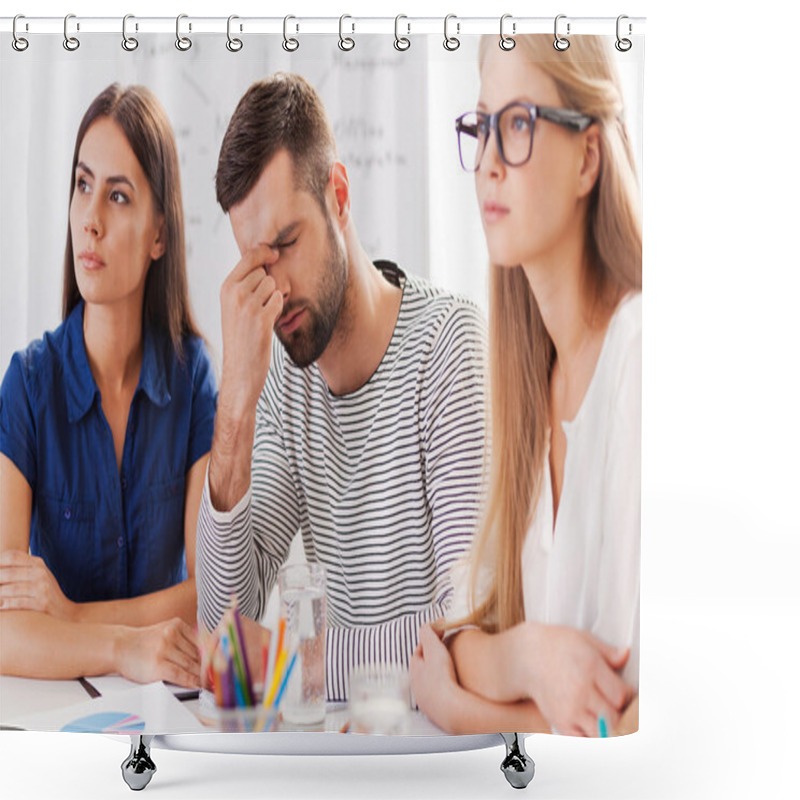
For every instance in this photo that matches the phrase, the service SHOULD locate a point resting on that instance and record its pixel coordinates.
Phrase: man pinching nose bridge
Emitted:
(351, 404)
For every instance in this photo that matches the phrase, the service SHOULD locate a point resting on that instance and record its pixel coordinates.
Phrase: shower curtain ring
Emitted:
(623, 45)
(233, 44)
(71, 43)
(401, 42)
(451, 42)
(345, 42)
(290, 44)
(561, 43)
(19, 43)
(506, 42)
(129, 43)
(183, 43)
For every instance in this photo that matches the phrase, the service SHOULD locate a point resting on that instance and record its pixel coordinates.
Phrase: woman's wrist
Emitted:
(519, 646)
(453, 707)
(74, 611)
(117, 645)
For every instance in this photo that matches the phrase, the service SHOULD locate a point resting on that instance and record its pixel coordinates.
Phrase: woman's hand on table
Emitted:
(629, 721)
(572, 676)
(166, 651)
(433, 678)
(27, 584)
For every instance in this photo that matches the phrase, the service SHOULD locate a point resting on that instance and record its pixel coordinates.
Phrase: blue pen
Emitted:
(602, 726)
(285, 681)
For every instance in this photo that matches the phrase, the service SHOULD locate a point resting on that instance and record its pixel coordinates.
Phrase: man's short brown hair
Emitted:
(282, 112)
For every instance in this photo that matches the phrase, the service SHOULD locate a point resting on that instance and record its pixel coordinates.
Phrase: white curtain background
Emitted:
(392, 114)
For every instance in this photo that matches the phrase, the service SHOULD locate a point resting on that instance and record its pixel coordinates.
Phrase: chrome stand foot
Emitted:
(138, 768)
(518, 766)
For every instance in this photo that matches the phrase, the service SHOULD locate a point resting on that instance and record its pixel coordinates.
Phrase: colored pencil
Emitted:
(236, 658)
(279, 664)
(224, 698)
(218, 664)
(281, 633)
(238, 692)
(230, 681)
(273, 657)
(240, 644)
(285, 680)
(264, 668)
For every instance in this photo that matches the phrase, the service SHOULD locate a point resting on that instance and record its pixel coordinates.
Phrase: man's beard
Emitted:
(305, 345)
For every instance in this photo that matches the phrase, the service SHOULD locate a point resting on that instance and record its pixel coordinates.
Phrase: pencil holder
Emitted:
(249, 719)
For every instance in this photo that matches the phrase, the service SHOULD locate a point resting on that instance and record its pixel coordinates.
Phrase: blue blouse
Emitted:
(105, 533)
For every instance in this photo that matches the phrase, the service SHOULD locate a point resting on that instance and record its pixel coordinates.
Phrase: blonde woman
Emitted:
(546, 618)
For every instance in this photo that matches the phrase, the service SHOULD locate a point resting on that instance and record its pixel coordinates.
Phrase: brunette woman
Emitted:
(106, 425)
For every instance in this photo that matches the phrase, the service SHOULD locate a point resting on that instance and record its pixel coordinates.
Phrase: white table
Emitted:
(20, 697)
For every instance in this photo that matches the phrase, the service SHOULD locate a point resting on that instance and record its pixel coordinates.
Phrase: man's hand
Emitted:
(251, 303)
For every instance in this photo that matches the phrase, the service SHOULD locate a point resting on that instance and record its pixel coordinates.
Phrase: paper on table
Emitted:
(21, 697)
(111, 684)
(151, 709)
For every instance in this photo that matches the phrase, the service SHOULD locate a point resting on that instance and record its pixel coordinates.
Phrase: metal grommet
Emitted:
(401, 42)
(129, 43)
(506, 42)
(183, 43)
(233, 44)
(345, 42)
(71, 43)
(560, 43)
(290, 44)
(19, 43)
(451, 42)
(623, 45)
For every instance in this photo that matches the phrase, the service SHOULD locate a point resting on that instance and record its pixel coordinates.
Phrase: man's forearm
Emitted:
(226, 563)
(231, 456)
(391, 642)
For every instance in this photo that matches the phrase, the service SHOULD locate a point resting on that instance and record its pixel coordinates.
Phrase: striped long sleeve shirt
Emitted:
(385, 485)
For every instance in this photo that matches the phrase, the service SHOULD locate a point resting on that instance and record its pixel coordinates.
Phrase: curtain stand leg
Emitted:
(518, 766)
(138, 768)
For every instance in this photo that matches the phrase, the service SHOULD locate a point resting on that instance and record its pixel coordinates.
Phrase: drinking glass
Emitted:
(303, 606)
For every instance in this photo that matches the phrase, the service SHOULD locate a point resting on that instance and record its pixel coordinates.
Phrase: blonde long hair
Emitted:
(520, 348)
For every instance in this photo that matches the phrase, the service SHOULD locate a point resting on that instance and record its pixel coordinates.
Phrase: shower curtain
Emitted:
(482, 171)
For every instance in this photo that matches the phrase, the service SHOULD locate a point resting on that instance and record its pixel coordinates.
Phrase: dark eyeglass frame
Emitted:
(566, 117)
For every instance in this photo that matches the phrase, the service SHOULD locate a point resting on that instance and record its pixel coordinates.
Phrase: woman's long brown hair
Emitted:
(146, 127)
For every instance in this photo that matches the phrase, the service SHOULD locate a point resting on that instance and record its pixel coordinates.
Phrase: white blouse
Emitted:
(585, 573)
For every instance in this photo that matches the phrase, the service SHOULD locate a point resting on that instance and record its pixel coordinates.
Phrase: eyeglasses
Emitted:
(513, 126)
